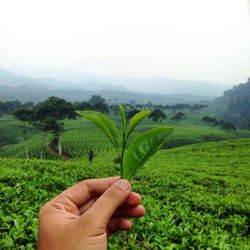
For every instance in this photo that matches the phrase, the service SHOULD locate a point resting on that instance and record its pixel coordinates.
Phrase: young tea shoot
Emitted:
(145, 145)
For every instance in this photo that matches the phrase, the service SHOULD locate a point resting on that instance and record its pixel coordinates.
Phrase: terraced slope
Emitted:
(80, 137)
(79, 141)
(75, 142)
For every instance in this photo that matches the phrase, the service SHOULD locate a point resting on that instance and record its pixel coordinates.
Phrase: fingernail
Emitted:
(123, 184)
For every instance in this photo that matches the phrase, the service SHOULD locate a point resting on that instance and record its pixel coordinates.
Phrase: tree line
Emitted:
(238, 106)
(218, 123)
(9, 107)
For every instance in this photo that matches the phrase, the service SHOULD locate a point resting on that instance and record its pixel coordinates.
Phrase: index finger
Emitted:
(83, 191)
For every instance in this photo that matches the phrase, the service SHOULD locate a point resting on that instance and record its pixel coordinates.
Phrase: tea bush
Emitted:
(196, 197)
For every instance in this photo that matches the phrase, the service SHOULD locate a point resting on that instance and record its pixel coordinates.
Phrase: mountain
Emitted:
(17, 80)
(159, 85)
(234, 105)
(156, 85)
(25, 88)
(13, 80)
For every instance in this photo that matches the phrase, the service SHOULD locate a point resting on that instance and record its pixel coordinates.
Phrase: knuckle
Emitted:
(114, 193)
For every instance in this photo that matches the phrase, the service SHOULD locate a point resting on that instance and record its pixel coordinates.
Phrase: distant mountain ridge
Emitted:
(234, 105)
(160, 85)
(25, 88)
(12, 79)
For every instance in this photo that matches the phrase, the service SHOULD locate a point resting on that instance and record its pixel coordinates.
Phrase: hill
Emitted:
(172, 86)
(81, 136)
(195, 197)
(25, 89)
(234, 105)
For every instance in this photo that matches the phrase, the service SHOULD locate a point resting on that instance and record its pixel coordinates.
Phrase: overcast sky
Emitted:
(183, 39)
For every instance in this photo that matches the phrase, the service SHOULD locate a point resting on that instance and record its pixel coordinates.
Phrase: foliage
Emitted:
(9, 107)
(140, 150)
(196, 197)
(49, 116)
(178, 106)
(209, 120)
(96, 99)
(179, 116)
(24, 114)
(197, 107)
(222, 124)
(55, 107)
(81, 136)
(96, 103)
(105, 124)
(238, 105)
(157, 115)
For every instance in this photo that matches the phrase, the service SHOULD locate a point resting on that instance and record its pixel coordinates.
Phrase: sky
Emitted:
(205, 40)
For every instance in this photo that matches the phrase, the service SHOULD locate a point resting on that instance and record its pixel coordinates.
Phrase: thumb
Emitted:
(111, 199)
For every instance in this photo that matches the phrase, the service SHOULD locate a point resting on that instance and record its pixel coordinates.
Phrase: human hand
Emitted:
(83, 216)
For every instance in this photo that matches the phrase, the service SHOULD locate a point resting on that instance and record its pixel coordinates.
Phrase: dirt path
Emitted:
(52, 150)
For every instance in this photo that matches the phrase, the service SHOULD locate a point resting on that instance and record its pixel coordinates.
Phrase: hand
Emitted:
(83, 216)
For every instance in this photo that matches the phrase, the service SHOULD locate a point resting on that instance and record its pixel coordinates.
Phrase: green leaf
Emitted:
(135, 120)
(105, 124)
(141, 149)
(19, 224)
(124, 120)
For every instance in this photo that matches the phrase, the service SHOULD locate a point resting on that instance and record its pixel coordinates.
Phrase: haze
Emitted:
(205, 40)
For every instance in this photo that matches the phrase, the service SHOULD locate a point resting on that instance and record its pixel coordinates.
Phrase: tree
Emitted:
(246, 122)
(101, 107)
(221, 123)
(26, 116)
(157, 115)
(96, 99)
(197, 107)
(46, 125)
(209, 120)
(96, 102)
(178, 106)
(82, 106)
(10, 106)
(50, 115)
(225, 125)
(238, 105)
(178, 117)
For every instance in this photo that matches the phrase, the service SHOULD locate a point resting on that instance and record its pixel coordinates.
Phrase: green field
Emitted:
(11, 131)
(196, 197)
(81, 136)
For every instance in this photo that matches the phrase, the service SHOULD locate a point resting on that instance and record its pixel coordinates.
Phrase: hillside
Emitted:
(80, 136)
(25, 89)
(234, 105)
(195, 197)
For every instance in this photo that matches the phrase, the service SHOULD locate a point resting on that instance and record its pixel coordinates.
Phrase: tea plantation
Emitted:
(80, 136)
(196, 197)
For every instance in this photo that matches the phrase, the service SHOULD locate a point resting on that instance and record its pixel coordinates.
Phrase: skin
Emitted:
(85, 215)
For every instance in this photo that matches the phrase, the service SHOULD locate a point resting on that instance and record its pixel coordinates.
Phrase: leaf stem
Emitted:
(124, 142)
